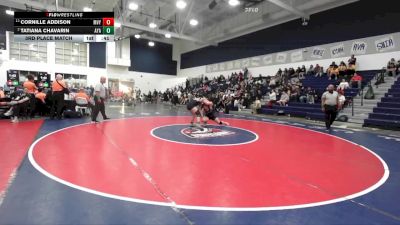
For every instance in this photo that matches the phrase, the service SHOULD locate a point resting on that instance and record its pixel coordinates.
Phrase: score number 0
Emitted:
(108, 22)
(108, 25)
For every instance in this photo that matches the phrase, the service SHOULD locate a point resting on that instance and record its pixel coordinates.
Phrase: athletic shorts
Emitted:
(211, 115)
(191, 105)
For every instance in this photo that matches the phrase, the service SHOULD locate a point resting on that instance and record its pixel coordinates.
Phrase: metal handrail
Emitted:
(362, 96)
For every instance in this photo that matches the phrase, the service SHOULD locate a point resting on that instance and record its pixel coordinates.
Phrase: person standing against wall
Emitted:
(330, 105)
(99, 98)
(58, 88)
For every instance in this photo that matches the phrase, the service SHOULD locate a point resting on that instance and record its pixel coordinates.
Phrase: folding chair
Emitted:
(82, 105)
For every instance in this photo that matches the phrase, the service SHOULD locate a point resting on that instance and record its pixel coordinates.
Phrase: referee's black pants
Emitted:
(98, 107)
(330, 115)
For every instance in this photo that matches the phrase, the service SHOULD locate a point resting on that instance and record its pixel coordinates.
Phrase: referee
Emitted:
(99, 98)
(330, 105)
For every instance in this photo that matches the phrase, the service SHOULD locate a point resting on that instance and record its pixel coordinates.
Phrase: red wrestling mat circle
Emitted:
(286, 167)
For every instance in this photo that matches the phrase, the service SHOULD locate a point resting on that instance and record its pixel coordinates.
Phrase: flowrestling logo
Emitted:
(211, 135)
(195, 132)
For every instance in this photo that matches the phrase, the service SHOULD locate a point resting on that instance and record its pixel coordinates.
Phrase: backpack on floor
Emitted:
(72, 114)
(343, 118)
(370, 93)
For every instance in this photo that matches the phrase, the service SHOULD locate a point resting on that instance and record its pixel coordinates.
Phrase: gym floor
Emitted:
(147, 166)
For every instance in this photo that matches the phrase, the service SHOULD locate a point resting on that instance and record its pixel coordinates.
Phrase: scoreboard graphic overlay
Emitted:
(64, 26)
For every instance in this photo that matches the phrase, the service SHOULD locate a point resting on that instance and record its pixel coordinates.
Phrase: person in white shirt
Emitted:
(342, 98)
(284, 99)
(272, 98)
(179, 93)
(330, 105)
(256, 105)
(343, 85)
(272, 83)
(236, 103)
(99, 98)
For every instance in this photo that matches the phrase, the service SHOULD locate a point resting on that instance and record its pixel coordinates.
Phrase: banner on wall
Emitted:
(296, 56)
(337, 50)
(359, 47)
(255, 61)
(318, 52)
(229, 65)
(221, 66)
(245, 63)
(267, 60)
(281, 57)
(208, 69)
(384, 44)
(237, 64)
(214, 68)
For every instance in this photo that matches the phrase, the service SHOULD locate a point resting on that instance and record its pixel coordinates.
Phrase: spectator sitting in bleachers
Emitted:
(318, 70)
(343, 85)
(184, 99)
(247, 100)
(329, 69)
(356, 81)
(303, 95)
(296, 73)
(333, 71)
(285, 76)
(291, 72)
(221, 78)
(238, 103)
(351, 69)
(279, 73)
(342, 70)
(311, 95)
(352, 61)
(295, 81)
(294, 93)
(391, 68)
(272, 83)
(284, 99)
(310, 71)
(302, 72)
(272, 98)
